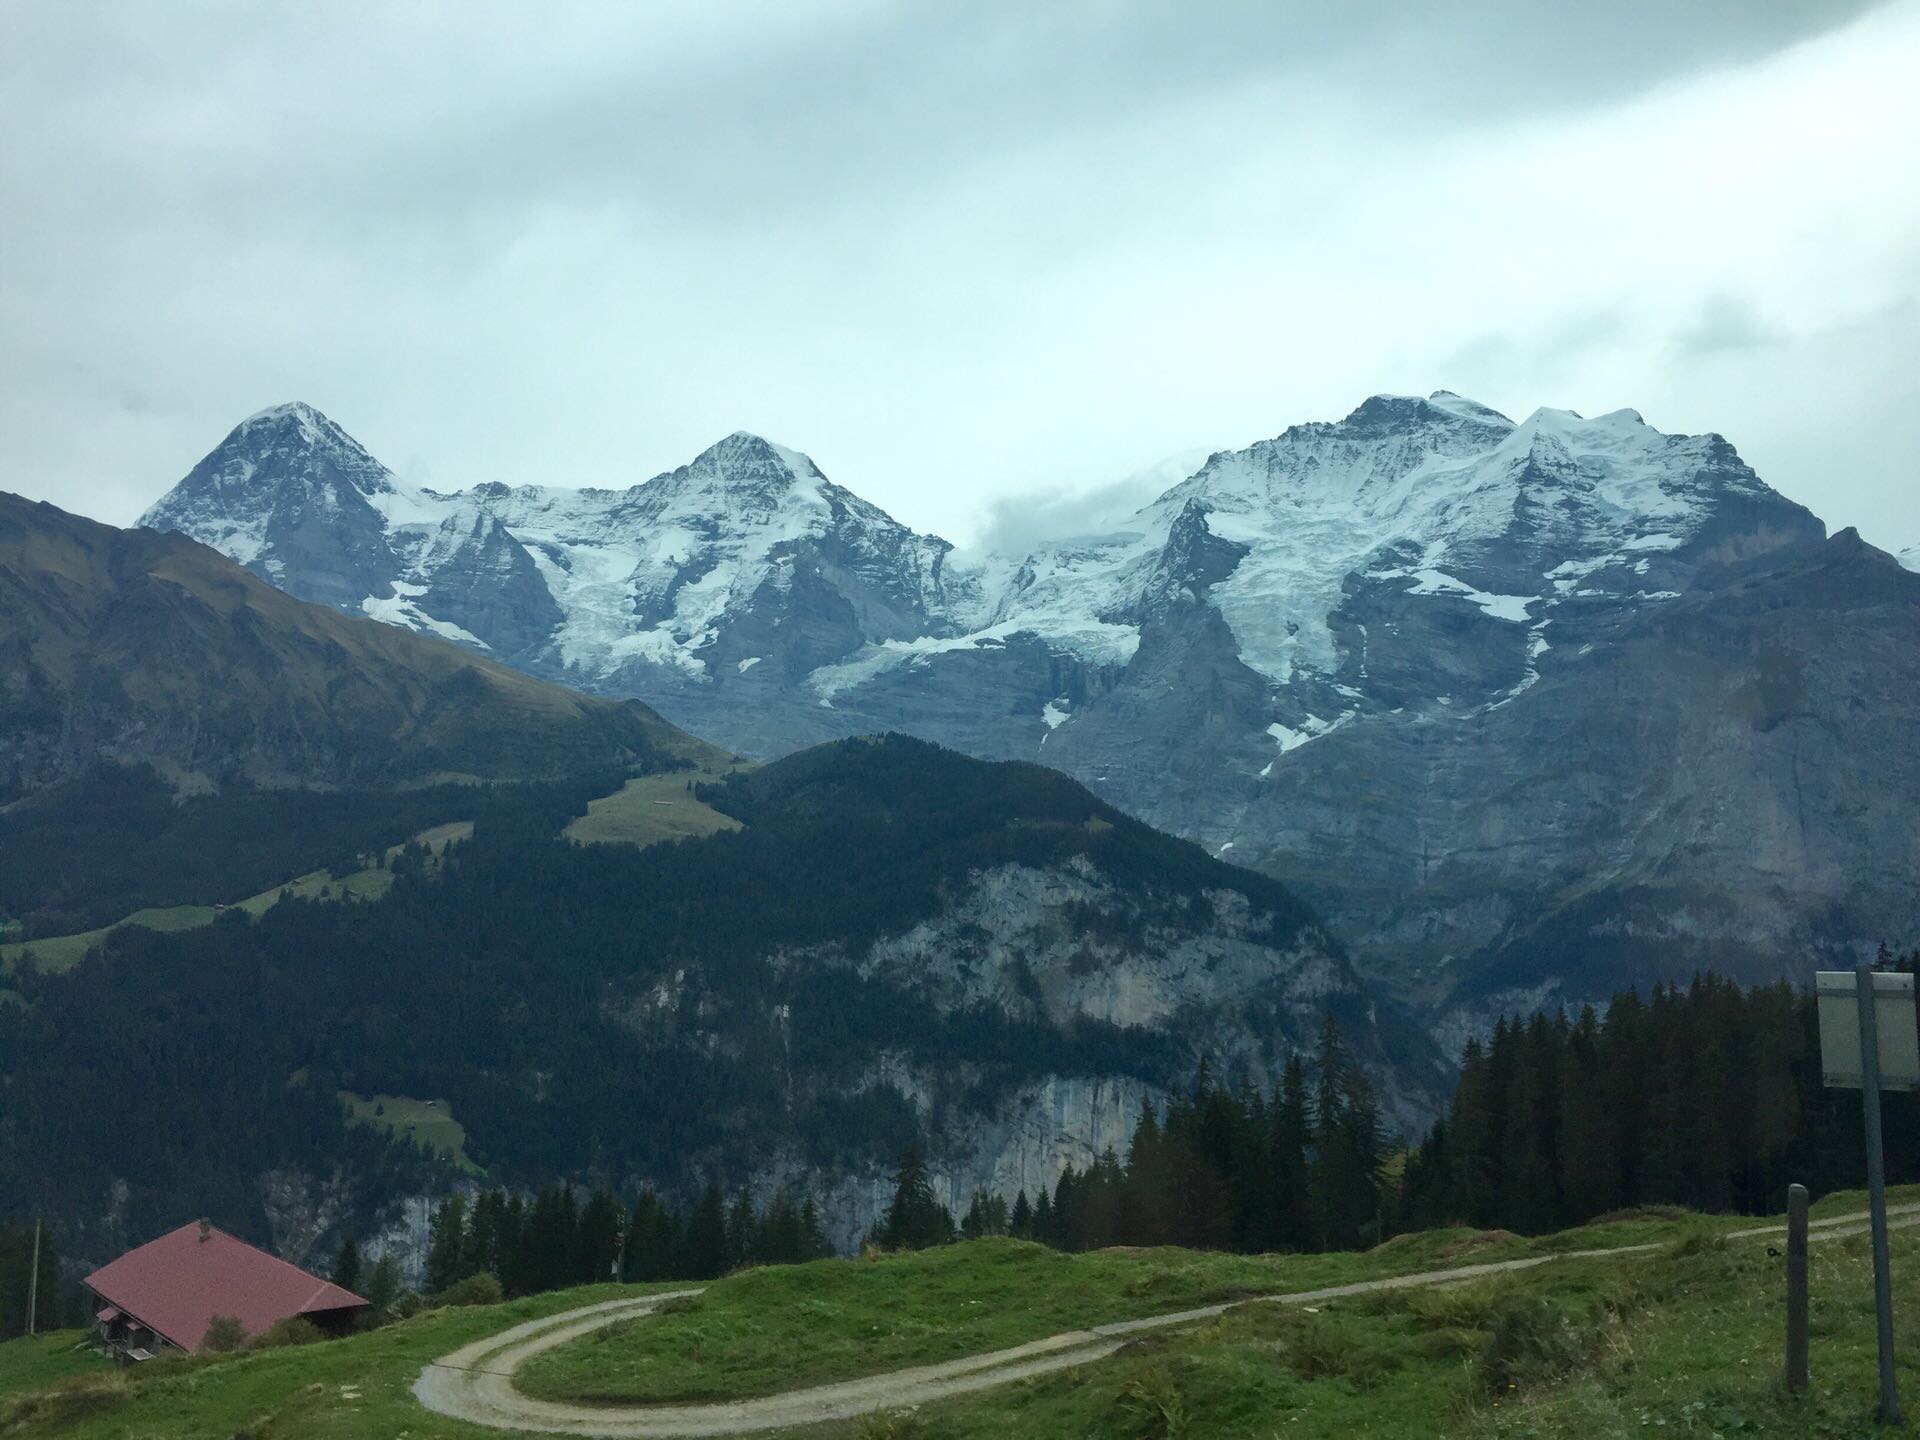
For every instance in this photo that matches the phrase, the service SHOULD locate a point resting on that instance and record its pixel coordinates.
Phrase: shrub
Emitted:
(480, 1289)
(1529, 1340)
(1152, 1402)
(294, 1330)
(407, 1305)
(225, 1334)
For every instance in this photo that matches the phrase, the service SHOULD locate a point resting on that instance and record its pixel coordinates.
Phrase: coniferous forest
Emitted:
(548, 991)
(1705, 1096)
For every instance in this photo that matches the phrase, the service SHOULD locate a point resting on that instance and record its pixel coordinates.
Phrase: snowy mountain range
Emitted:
(1296, 654)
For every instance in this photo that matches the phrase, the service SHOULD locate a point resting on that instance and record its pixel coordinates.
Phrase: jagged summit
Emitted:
(1388, 411)
(747, 467)
(1437, 497)
(296, 410)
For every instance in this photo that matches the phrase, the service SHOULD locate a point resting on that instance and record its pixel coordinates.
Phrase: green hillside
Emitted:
(62, 952)
(557, 996)
(1679, 1338)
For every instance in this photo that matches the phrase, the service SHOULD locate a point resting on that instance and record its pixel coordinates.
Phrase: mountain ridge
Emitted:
(1413, 571)
(138, 647)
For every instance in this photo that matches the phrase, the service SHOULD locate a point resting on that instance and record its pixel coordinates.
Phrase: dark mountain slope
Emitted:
(1803, 668)
(900, 944)
(128, 645)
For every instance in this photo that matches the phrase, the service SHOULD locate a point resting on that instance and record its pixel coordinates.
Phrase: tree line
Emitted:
(1299, 1167)
(1705, 1095)
(561, 1236)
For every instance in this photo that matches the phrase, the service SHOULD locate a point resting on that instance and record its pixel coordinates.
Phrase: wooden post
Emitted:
(1877, 1188)
(1796, 1289)
(33, 1280)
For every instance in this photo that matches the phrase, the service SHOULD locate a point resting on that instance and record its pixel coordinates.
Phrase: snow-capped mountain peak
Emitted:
(1326, 551)
(289, 494)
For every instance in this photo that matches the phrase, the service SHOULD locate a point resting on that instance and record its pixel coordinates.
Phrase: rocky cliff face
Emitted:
(1406, 660)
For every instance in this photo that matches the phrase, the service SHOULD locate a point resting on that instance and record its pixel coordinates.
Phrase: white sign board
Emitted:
(1838, 993)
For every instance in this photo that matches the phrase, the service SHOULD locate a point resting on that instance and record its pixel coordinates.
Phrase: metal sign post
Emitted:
(1881, 1052)
(1796, 1289)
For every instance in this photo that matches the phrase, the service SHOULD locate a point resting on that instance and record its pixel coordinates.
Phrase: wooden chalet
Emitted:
(165, 1294)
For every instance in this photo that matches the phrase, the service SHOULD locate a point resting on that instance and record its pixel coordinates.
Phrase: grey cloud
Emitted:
(1725, 322)
(1014, 525)
(955, 251)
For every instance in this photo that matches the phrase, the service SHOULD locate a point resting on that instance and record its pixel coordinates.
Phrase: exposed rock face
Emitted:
(1057, 945)
(1415, 662)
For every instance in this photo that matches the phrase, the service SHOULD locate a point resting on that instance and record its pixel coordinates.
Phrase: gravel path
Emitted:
(475, 1383)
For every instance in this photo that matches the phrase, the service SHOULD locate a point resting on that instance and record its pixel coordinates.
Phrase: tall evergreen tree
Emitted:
(914, 1219)
(1287, 1160)
(347, 1264)
(596, 1245)
(707, 1257)
(446, 1242)
(383, 1288)
(652, 1241)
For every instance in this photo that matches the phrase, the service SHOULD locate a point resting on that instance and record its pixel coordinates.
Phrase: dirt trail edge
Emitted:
(475, 1382)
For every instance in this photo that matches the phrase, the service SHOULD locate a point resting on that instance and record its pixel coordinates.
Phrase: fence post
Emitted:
(1876, 1187)
(33, 1281)
(1796, 1289)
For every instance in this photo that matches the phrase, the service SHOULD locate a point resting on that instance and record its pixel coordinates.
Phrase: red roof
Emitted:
(176, 1285)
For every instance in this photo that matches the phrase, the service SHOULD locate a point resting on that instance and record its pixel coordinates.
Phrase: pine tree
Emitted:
(1293, 1222)
(446, 1243)
(743, 1230)
(1147, 1185)
(706, 1247)
(652, 1242)
(974, 1225)
(510, 1248)
(1589, 1179)
(347, 1264)
(914, 1220)
(481, 1252)
(813, 1236)
(383, 1288)
(596, 1247)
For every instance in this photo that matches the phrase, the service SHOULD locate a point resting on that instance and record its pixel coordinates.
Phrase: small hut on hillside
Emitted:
(165, 1294)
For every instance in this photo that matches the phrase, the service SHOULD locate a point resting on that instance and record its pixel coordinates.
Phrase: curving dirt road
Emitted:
(475, 1382)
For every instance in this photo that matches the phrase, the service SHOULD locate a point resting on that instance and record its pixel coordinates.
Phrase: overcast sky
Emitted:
(977, 259)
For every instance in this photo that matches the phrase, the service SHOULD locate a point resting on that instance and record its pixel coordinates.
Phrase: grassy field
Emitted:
(1686, 1341)
(1683, 1340)
(651, 808)
(835, 1319)
(63, 952)
(353, 1389)
(39, 1362)
(426, 1122)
